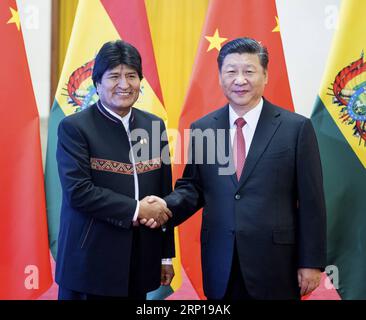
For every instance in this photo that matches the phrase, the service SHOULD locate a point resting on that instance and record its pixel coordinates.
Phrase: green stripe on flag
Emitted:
(52, 181)
(344, 183)
(161, 293)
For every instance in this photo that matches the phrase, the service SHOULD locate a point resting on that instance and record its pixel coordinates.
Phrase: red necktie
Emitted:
(239, 146)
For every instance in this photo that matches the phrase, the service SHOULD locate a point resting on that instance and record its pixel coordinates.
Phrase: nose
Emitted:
(240, 79)
(123, 83)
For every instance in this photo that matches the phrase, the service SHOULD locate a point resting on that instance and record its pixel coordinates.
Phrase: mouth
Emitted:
(123, 94)
(241, 92)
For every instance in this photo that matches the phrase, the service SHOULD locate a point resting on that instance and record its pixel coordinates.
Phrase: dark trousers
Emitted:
(236, 289)
(135, 289)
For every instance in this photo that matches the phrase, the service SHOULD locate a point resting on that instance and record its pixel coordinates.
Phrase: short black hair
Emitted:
(113, 54)
(244, 45)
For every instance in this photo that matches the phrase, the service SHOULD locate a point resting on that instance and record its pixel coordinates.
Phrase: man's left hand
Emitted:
(167, 274)
(309, 280)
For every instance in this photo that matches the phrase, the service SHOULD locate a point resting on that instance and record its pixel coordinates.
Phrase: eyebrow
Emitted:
(116, 73)
(235, 65)
(113, 74)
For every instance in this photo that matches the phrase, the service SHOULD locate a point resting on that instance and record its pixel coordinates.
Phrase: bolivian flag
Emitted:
(339, 118)
(96, 22)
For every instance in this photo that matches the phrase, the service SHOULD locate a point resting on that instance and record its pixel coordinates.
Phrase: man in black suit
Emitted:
(105, 170)
(263, 226)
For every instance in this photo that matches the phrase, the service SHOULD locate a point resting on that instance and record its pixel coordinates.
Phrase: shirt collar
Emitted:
(251, 117)
(125, 120)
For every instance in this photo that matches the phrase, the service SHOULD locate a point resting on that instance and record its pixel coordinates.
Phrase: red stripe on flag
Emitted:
(130, 20)
(25, 271)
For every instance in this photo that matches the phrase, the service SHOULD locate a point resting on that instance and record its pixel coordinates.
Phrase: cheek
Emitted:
(225, 85)
(137, 89)
(259, 84)
(103, 95)
(226, 90)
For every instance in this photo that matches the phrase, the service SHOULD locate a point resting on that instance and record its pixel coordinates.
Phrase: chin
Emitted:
(241, 104)
(125, 108)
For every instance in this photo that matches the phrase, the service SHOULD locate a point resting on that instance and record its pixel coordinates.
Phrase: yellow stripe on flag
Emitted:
(176, 28)
(348, 46)
(148, 101)
(175, 39)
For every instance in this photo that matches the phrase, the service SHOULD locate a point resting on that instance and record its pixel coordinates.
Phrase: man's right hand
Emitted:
(153, 214)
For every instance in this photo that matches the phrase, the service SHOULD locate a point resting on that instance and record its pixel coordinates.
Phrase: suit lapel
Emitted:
(268, 123)
(222, 122)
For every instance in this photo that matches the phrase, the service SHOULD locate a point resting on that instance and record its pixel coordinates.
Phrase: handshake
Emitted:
(153, 212)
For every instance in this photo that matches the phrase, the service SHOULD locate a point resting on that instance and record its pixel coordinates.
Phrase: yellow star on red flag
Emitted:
(15, 18)
(215, 41)
(277, 28)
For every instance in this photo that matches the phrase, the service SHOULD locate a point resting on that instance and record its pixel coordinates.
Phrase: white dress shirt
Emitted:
(251, 118)
(126, 123)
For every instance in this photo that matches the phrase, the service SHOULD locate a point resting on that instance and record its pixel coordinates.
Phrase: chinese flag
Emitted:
(226, 21)
(25, 271)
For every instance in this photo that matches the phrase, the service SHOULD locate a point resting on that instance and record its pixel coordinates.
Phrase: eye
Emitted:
(131, 76)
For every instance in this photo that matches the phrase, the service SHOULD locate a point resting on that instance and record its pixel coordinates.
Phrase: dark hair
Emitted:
(244, 45)
(113, 54)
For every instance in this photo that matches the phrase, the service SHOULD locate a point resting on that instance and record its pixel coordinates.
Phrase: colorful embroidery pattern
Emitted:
(125, 168)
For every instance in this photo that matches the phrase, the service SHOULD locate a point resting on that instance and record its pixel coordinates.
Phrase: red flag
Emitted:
(226, 21)
(25, 271)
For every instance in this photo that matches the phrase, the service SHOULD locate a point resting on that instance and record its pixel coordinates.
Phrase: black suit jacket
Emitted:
(276, 212)
(97, 239)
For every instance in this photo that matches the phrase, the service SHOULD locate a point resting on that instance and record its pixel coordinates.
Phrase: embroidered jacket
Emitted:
(97, 242)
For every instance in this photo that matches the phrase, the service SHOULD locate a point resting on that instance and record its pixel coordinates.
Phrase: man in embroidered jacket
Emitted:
(104, 252)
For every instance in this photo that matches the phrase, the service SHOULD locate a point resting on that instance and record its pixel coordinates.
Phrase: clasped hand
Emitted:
(153, 212)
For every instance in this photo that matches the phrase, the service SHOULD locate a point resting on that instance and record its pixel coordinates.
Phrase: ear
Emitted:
(220, 80)
(265, 76)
